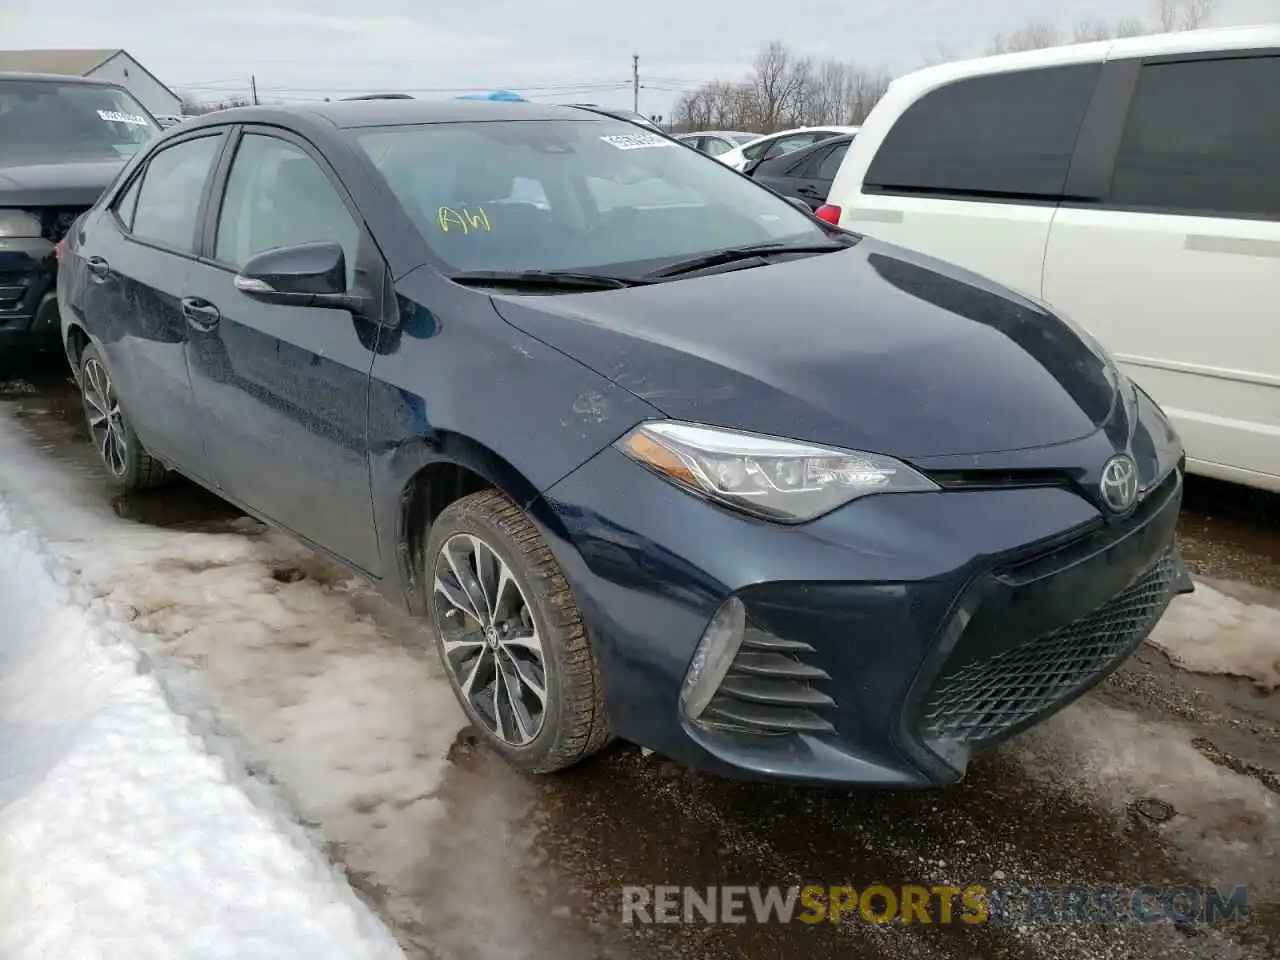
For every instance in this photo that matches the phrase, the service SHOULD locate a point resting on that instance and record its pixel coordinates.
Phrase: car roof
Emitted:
(818, 145)
(818, 126)
(56, 78)
(1261, 36)
(392, 112)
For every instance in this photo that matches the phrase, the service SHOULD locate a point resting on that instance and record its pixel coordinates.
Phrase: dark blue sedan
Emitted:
(655, 454)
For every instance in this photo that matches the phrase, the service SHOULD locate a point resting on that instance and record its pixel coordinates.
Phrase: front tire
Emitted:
(511, 636)
(118, 446)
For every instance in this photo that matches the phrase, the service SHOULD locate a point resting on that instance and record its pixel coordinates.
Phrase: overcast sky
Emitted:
(558, 50)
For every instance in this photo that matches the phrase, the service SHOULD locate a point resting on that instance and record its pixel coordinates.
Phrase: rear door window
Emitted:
(168, 201)
(785, 145)
(1203, 138)
(1005, 135)
(714, 146)
(830, 164)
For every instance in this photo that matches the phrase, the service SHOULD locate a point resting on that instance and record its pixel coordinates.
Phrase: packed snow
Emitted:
(1210, 631)
(121, 835)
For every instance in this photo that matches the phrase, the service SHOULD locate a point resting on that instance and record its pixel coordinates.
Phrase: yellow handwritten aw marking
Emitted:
(465, 220)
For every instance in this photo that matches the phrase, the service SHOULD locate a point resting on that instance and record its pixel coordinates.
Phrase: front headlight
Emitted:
(19, 223)
(782, 480)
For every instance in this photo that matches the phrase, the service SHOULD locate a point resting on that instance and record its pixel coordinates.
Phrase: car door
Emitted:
(785, 173)
(806, 174)
(1177, 269)
(284, 389)
(138, 259)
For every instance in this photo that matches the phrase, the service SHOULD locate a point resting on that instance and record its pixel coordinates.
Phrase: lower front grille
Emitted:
(769, 689)
(985, 701)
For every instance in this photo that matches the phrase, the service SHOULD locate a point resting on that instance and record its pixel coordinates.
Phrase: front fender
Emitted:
(459, 384)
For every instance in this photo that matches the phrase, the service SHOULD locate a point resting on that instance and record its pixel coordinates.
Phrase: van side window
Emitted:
(1004, 135)
(1203, 138)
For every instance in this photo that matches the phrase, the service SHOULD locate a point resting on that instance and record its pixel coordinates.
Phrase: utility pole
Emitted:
(253, 88)
(635, 81)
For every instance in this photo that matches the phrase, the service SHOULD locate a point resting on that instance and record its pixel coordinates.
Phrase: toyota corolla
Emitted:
(653, 453)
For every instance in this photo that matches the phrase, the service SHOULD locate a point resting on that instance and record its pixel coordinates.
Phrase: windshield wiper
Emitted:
(729, 255)
(563, 279)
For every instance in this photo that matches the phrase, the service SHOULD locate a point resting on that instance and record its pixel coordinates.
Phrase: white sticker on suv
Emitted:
(637, 141)
(117, 117)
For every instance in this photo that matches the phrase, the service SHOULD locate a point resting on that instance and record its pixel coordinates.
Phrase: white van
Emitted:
(1134, 185)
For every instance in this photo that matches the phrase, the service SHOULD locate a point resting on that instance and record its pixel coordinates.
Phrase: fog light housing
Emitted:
(713, 657)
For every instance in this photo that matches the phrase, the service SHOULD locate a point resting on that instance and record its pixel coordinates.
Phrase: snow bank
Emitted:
(1211, 632)
(120, 835)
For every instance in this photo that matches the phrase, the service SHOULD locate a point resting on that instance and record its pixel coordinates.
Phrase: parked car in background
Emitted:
(804, 174)
(62, 141)
(776, 144)
(716, 142)
(878, 514)
(1131, 183)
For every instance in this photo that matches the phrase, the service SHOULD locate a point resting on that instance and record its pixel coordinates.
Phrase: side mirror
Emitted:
(752, 166)
(305, 275)
(799, 205)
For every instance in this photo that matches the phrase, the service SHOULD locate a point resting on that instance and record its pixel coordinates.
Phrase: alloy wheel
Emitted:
(106, 422)
(490, 640)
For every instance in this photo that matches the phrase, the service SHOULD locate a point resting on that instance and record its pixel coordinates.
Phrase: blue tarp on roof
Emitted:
(505, 95)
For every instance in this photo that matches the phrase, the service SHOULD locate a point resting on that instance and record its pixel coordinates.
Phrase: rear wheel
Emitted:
(511, 636)
(118, 446)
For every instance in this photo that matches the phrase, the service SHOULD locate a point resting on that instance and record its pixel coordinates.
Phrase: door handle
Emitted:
(200, 314)
(98, 268)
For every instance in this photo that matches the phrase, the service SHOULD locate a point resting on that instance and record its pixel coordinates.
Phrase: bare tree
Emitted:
(942, 53)
(197, 108)
(1034, 36)
(1087, 31)
(775, 84)
(783, 91)
(865, 89)
(1183, 14)
(831, 85)
(1131, 27)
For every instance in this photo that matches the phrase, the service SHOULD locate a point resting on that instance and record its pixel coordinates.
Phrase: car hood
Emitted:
(57, 184)
(874, 348)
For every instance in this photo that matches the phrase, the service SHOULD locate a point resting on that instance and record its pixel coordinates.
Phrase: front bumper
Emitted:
(934, 624)
(28, 295)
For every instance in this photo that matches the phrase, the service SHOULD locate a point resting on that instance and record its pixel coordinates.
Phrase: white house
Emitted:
(114, 65)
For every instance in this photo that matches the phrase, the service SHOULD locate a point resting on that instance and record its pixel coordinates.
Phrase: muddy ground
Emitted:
(1160, 776)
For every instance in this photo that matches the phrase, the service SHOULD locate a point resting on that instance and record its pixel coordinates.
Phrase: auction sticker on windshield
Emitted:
(637, 141)
(117, 117)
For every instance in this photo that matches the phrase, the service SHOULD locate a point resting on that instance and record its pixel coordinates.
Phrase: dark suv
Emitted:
(62, 141)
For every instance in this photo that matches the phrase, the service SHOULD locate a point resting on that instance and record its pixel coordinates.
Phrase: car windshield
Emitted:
(588, 196)
(43, 121)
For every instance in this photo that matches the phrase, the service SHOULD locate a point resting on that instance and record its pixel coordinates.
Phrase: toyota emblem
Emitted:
(1119, 484)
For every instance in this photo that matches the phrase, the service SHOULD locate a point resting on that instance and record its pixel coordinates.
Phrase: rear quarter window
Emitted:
(1002, 135)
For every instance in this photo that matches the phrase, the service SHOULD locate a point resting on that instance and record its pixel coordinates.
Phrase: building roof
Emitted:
(74, 63)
